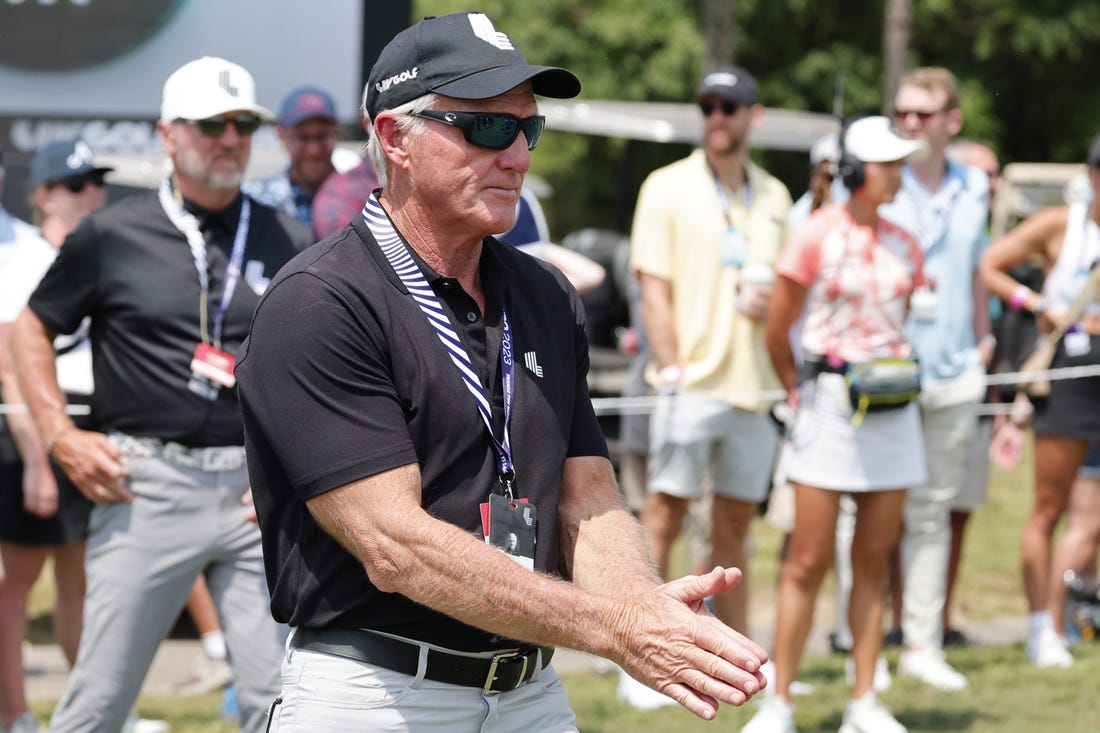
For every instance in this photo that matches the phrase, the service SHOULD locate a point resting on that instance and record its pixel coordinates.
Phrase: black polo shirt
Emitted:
(343, 378)
(131, 270)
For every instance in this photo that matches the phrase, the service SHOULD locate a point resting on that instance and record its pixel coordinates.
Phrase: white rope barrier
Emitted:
(645, 404)
(10, 409)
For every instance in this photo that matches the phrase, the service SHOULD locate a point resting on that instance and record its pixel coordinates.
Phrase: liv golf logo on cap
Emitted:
(69, 34)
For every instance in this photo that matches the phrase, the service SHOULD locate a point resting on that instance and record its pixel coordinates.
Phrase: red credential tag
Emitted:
(214, 364)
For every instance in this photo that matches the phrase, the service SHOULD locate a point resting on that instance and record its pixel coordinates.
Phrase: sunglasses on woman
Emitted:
(76, 184)
(492, 130)
(246, 124)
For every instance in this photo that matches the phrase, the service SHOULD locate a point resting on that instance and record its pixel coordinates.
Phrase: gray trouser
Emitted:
(142, 560)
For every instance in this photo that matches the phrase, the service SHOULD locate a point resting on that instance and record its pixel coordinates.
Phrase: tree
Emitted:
(895, 48)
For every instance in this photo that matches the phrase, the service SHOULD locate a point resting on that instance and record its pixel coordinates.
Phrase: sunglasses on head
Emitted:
(728, 108)
(78, 183)
(246, 124)
(492, 130)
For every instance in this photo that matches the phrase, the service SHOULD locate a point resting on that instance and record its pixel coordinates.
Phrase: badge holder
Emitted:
(733, 247)
(211, 369)
(510, 525)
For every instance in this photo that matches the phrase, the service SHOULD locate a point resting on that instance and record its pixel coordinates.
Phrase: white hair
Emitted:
(405, 123)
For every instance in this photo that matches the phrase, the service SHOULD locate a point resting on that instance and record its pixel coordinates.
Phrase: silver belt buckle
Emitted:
(179, 455)
(227, 458)
(506, 657)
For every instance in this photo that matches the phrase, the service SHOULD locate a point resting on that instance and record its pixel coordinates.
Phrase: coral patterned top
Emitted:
(858, 282)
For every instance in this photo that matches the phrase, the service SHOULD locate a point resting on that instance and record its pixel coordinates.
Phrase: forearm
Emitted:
(449, 570)
(603, 547)
(658, 322)
(32, 450)
(36, 372)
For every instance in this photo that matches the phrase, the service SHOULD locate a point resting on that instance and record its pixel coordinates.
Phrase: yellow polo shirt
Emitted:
(677, 231)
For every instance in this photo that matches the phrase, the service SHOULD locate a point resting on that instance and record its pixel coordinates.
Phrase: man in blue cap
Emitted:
(308, 129)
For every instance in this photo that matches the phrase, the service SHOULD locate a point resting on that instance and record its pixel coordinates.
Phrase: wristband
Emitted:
(52, 442)
(1019, 297)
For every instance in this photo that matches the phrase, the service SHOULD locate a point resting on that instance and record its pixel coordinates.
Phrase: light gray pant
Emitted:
(142, 560)
(949, 432)
(323, 693)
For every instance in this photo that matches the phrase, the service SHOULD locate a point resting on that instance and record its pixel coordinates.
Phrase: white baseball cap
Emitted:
(874, 140)
(207, 87)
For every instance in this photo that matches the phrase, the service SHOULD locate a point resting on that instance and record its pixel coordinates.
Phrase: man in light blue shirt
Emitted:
(946, 206)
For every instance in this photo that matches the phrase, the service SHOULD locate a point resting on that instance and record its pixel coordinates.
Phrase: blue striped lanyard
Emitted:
(393, 246)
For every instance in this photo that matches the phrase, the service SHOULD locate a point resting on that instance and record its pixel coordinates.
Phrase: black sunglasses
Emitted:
(728, 108)
(246, 124)
(492, 130)
(901, 114)
(78, 183)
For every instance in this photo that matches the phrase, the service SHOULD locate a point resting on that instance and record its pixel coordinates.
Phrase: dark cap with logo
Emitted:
(1094, 152)
(461, 56)
(63, 159)
(731, 83)
(307, 103)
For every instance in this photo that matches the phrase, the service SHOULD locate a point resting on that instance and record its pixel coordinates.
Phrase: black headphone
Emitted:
(849, 168)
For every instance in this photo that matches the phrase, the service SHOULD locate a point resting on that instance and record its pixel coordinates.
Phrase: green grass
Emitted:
(1007, 695)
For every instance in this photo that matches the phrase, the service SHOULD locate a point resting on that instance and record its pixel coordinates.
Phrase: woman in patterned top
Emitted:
(850, 275)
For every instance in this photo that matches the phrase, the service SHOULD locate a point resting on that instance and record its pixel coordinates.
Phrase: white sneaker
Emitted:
(25, 723)
(882, 679)
(796, 689)
(639, 696)
(1049, 649)
(134, 724)
(868, 715)
(206, 676)
(775, 715)
(929, 666)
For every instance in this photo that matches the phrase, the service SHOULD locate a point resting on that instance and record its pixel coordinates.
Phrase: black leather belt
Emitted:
(501, 672)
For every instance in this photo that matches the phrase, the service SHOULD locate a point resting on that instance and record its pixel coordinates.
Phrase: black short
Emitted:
(1073, 407)
(70, 524)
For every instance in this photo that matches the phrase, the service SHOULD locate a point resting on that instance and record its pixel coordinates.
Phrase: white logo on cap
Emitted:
(483, 29)
(81, 155)
(720, 79)
(396, 79)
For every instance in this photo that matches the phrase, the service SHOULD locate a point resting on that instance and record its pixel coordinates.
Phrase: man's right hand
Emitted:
(674, 644)
(95, 464)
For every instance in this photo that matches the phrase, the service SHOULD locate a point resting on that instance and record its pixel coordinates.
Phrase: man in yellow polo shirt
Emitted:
(707, 230)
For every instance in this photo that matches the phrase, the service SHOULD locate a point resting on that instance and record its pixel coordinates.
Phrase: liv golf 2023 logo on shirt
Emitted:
(55, 35)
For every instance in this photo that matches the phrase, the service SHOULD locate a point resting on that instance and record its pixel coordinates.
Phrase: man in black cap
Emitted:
(706, 233)
(437, 507)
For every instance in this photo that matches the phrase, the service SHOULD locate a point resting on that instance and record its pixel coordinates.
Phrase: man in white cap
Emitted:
(170, 281)
(437, 504)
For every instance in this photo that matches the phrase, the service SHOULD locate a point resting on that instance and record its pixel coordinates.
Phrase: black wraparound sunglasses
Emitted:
(246, 124)
(492, 130)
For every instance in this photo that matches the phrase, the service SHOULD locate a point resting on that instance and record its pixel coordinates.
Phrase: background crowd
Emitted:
(748, 308)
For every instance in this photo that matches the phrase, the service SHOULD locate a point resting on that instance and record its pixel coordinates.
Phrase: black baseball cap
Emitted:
(731, 83)
(63, 159)
(461, 56)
